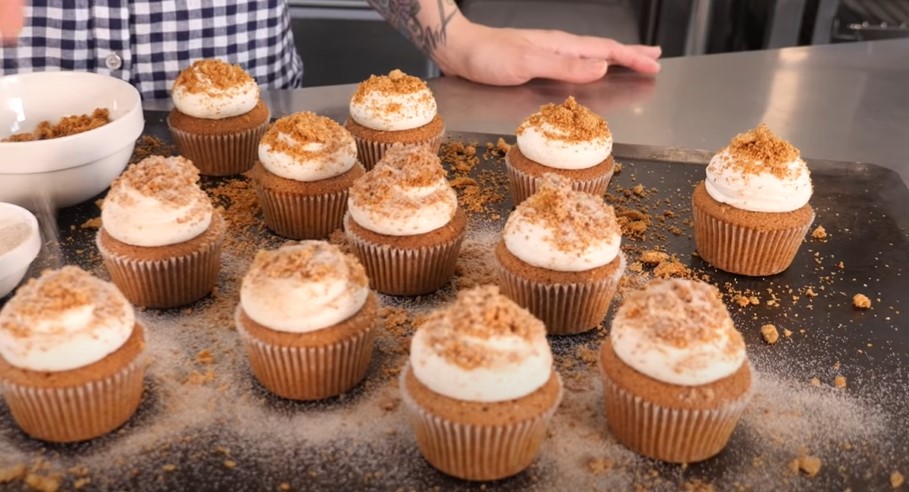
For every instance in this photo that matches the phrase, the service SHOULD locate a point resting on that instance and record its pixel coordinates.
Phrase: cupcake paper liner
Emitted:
(522, 185)
(309, 373)
(565, 309)
(669, 434)
(743, 250)
(404, 271)
(302, 216)
(220, 155)
(77, 413)
(476, 452)
(370, 152)
(168, 282)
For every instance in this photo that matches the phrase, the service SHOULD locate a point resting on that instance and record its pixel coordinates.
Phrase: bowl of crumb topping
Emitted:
(64, 136)
(20, 243)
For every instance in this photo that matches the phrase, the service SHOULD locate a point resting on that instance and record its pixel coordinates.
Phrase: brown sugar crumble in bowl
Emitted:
(66, 126)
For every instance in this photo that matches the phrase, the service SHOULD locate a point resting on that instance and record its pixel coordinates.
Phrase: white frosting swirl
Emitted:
(539, 145)
(393, 102)
(157, 202)
(513, 364)
(562, 229)
(213, 89)
(762, 192)
(64, 320)
(679, 332)
(304, 287)
(405, 194)
(307, 147)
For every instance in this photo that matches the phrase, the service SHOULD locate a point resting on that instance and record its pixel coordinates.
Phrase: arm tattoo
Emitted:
(426, 29)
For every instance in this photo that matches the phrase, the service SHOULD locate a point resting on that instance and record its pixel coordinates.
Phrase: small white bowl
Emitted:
(67, 170)
(14, 262)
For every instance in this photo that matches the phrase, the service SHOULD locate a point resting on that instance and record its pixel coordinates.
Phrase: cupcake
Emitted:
(675, 373)
(404, 223)
(306, 317)
(160, 237)
(218, 118)
(306, 165)
(568, 139)
(751, 213)
(71, 357)
(390, 109)
(479, 388)
(559, 256)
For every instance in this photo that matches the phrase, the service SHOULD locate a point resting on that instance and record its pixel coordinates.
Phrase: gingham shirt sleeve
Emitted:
(148, 42)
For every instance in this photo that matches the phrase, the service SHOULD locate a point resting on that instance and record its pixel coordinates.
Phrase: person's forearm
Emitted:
(425, 23)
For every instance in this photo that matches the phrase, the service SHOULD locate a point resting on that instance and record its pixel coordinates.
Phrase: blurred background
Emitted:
(344, 41)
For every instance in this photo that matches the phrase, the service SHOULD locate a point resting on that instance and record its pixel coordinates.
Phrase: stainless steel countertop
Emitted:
(847, 102)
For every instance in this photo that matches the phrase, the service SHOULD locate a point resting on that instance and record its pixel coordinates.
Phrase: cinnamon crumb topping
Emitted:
(55, 292)
(569, 121)
(306, 136)
(396, 82)
(681, 312)
(401, 167)
(761, 151)
(309, 261)
(576, 219)
(861, 301)
(68, 125)
(479, 313)
(211, 75)
(170, 180)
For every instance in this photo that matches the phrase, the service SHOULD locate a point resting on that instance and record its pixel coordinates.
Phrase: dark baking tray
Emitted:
(863, 208)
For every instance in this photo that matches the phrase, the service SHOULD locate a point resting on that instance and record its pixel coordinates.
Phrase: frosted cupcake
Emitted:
(480, 388)
(568, 139)
(160, 237)
(559, 256)
(307, 163)
(218, 118)
(71, 357)
(306, 317)
(390, 109)
(404, 223)
(675, 372)
(751, 214)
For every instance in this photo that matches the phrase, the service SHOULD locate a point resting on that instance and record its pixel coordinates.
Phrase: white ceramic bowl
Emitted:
(65, 170)
(14, 261)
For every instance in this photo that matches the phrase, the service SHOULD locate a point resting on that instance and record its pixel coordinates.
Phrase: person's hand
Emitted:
(504, 56)
(12, 14)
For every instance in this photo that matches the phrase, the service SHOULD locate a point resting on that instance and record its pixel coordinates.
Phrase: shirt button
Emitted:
(113, 61)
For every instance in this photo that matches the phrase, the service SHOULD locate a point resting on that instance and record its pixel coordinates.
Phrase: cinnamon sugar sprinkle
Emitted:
(57, 291)
(312, 261)
(569, 122)
(68, 125)
(761, 151)
(396, 82)
(207, 76)
(295, 135)
(576, 219)
(687, 312)
(478, 313)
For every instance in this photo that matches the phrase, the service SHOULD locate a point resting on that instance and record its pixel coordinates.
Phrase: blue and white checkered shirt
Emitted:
(148, 42)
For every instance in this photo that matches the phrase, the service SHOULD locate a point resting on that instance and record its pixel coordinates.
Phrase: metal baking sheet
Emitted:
(860, 433)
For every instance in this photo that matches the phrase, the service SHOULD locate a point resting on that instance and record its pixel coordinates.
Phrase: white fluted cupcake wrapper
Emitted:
(304, 373)
(302, 217)
(77, 413)
(565, 309)
(522, 185)
(370, 152)
(669, 434)
(476, 452)
(167, 282)
(220, 155)
(406, 272)
(744, 250)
